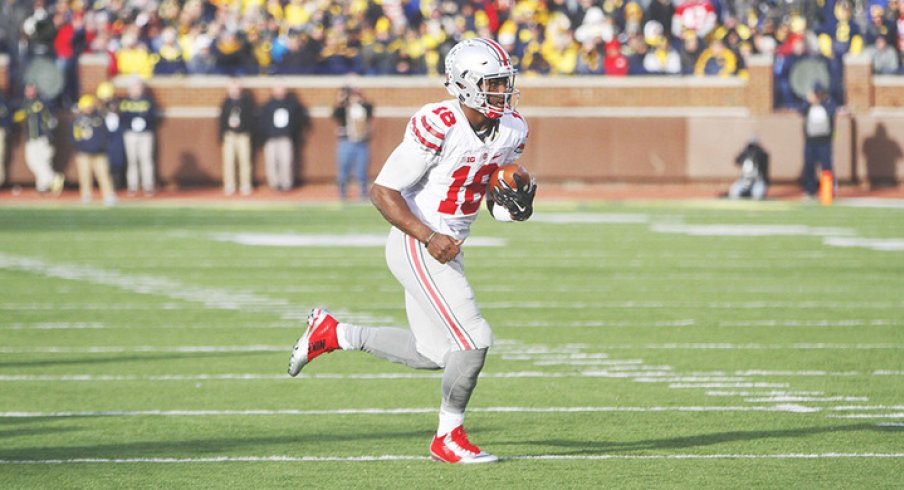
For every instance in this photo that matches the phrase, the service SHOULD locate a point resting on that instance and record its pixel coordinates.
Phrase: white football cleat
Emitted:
(455, 448)
(319, 338)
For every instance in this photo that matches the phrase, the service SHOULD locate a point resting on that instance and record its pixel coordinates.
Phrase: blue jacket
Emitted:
(6, 117)
(39, 121)
(138, 115)
(286, 117)
(89, 133)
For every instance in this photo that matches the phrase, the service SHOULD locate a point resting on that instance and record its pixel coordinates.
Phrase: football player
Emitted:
(430, 190)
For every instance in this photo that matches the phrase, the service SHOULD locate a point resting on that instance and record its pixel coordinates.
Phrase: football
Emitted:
(507, 173)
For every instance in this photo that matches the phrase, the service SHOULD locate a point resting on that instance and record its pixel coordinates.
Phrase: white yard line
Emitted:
(54, 326)
(868, 407)
(764, 393)
(878, 244)
(689, 379)
(729, 385)
(785, 408)
(554, 357)
(640, 375)
(899, 415)
(714, 456)
(280, 348)
(221, 299)
(588, 362)
(883, 322)
(97, 349)
(388, 457)
(719, 305)
(748, 230)
(691, 322)
(816, 373)
(95, 306)
(756, 346)
(294, 325)
(385, 320)
(809, 399)
(209, 297)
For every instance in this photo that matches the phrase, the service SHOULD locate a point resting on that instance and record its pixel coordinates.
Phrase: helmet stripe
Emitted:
(503, 56)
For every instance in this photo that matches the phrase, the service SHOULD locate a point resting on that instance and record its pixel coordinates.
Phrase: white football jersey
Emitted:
(448, 195)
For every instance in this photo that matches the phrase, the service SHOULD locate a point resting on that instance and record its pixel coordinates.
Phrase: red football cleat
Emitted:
(455, 448)
(319, 338)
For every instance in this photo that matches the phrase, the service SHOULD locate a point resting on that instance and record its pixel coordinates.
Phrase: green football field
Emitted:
(661, 344)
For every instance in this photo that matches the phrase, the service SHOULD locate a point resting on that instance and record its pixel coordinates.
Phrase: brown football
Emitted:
(507, 173)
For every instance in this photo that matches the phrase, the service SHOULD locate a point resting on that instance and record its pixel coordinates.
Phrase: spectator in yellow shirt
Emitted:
(134, 58)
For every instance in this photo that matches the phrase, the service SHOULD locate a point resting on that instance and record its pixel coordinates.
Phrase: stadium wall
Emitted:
(599, 129)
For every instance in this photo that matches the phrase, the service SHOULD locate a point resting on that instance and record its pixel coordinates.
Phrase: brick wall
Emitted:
(858, 83)
(565, 92)
(4, 76)
(888, 92)
(760, 86)
(582, 128)
(92, 71)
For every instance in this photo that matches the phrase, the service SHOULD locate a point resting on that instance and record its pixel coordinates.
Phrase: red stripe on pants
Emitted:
(433, 295)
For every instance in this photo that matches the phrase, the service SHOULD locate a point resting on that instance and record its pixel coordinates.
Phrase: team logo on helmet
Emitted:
(475, 64)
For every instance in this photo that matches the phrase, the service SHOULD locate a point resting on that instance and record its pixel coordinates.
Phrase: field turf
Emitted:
(671, 344)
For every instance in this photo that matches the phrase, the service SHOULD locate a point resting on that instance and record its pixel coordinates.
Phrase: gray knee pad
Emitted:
(460, 378)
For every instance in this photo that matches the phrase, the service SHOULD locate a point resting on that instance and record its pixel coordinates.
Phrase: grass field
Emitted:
(638, 345)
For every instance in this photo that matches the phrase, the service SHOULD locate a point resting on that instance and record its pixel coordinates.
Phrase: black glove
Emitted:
(519, 202)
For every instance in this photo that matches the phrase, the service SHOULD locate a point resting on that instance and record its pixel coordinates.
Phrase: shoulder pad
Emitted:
(429, 126)
(517, 121)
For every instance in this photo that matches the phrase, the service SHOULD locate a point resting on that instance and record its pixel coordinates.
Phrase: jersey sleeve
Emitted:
(404, 167)
(522, 131)
(420, 149)
(427, 132)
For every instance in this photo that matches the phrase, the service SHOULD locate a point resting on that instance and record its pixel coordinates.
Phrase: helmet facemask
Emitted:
(499, 95)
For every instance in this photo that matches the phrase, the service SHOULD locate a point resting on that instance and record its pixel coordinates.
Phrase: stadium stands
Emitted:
(411, 37)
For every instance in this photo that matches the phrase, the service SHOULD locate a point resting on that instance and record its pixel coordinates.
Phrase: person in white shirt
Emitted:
(819, 129)
(430, 190)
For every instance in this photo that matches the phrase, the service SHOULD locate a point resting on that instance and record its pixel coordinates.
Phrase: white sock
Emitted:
(342, 335)
(448, 421)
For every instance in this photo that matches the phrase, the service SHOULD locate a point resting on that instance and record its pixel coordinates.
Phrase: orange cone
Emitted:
(826, 187)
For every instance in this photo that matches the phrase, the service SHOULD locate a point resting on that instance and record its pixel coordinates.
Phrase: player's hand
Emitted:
(519, 201)
(443, 248)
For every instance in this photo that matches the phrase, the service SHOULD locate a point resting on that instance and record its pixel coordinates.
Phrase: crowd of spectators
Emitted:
(380, 37)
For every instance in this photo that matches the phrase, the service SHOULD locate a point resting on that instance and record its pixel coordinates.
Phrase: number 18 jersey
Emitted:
(442, 166)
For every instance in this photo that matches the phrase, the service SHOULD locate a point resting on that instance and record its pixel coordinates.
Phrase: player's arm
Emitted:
(393, 207)
(404, 168)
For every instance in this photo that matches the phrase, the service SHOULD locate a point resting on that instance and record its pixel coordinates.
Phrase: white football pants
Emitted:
(439, 301)
(39, 159)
